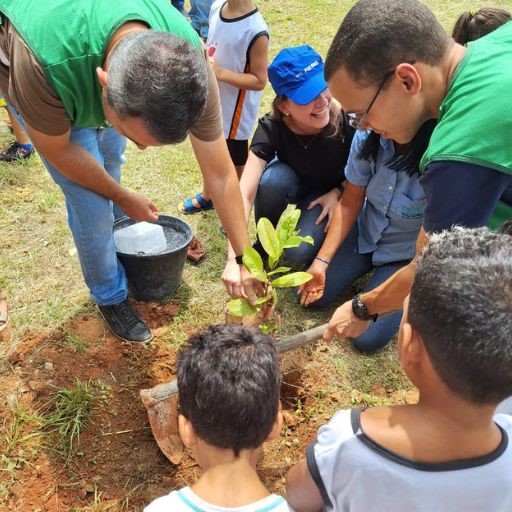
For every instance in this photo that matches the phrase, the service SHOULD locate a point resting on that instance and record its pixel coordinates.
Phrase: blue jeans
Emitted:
(199, 14)
(280, 186)
(346, 267)
(91, 216)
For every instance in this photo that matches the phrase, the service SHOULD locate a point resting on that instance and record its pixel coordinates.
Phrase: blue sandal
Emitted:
(188, 207)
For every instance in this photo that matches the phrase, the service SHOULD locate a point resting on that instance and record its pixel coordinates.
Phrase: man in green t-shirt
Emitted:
(85, 78)
(393, 67)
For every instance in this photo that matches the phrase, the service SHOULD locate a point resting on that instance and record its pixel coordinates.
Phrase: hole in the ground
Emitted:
(291, 388)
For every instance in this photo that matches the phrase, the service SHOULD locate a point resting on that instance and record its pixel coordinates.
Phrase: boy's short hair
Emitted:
(229, 381)
(377, 35)
(461, 305)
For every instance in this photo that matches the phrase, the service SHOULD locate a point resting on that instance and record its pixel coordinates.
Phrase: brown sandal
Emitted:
(4, 315)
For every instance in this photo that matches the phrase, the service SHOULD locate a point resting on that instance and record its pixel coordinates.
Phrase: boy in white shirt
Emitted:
(228, 381)
(450, 451)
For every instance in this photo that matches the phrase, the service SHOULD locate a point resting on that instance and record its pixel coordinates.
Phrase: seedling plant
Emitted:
(274, 242)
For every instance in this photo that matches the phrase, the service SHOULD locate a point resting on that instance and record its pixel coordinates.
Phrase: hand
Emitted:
(252, 287)
(139, 207)
(344, 324)
(231, 279)
(314, 289)
(328, 204)
(217, 69)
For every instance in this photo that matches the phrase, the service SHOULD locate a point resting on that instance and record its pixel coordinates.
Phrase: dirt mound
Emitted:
(116, 453)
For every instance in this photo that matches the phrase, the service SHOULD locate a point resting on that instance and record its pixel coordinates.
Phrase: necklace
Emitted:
(305, 145)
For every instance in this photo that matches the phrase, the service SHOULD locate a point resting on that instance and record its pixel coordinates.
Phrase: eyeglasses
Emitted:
(356, 120)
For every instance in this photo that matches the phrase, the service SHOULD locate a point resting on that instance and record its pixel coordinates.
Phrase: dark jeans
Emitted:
(346, 267)
(280, 186)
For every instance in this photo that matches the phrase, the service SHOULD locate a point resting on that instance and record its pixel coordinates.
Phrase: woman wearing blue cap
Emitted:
(297, 155)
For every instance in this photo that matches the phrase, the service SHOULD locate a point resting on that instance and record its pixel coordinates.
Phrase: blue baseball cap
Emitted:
(298, 73)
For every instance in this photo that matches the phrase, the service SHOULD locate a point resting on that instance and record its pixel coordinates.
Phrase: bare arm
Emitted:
(78, 165)
(390, 295)
(387, 297)
(255, 78)
(222, 183)
(249, 187)
(302, 492)
(343, 219)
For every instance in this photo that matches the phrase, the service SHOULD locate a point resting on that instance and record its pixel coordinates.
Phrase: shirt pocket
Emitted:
(406, 214)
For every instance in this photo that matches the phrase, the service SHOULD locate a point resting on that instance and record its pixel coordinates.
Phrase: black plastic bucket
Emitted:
(155, 276)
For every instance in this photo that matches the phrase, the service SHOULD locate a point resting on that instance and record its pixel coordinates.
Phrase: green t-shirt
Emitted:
(74, 47)
(475, 118)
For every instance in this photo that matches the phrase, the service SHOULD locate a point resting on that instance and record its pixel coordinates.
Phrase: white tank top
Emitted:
(230, 42)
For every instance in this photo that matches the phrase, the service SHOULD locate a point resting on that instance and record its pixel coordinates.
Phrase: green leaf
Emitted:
(272, 262)
(288, 222)
(252, 260)
(262, 300)
(296, 240)
(268, 238)
(279, 270)
(241, 307)
(295, 279)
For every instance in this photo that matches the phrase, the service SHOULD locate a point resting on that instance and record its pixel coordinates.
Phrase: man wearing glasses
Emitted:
(392, 67)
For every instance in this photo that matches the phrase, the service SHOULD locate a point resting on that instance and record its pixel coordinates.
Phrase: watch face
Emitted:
(359, 309)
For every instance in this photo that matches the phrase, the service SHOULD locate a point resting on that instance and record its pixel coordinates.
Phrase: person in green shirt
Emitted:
(85, 77)
(393, 67)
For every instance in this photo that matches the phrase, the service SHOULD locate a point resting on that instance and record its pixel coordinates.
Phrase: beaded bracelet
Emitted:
(322, 260)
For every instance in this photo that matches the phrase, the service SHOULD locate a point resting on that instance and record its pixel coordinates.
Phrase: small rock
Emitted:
(379, 391)
(412, 396)
(335, 396)
(12, 401)
(289, 419)
(48, 366)
(36, 385)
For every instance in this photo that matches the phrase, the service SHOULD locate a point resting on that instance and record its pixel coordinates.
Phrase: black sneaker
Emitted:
(15, 152)
(125, 323)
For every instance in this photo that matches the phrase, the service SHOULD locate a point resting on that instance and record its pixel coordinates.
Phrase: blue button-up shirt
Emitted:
(393, 210)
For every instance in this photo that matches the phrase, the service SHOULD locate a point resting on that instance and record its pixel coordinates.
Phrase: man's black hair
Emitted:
(229, 381)
(377, 35)
(409, 161)
(461, 304)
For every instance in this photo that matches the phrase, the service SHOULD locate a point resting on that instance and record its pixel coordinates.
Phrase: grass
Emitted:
(38, 265)
(67, 414)
(40, 270)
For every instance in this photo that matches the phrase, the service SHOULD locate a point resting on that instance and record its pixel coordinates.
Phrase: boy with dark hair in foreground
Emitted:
(229, 381)
(448, 452)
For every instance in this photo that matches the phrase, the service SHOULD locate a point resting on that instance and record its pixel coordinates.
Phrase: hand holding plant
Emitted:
(274, 242)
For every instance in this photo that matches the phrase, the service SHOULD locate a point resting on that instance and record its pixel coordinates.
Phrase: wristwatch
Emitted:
(361, 311)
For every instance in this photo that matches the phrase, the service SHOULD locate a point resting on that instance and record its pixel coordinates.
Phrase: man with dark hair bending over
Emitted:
(85, 77)
(393, 67)
(450, 451)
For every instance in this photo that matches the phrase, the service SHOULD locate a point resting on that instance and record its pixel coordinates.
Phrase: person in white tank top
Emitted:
(237, 46)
